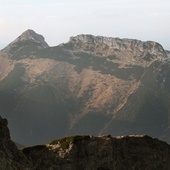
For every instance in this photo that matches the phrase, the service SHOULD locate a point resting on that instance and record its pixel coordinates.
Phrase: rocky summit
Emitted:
(86, 153)
(27, 36)
(90, 85)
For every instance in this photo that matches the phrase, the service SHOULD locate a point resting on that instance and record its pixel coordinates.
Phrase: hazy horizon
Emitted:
(58, 20)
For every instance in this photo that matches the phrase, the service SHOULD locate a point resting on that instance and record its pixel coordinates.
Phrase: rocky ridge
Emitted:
(117, 43)
(86, 153)
(123, 48)
(101, 153)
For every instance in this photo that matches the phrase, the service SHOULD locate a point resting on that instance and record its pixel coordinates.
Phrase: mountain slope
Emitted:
(147, 108)
(90, 85)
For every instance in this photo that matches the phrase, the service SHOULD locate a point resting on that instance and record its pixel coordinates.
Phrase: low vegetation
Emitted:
(64, 142)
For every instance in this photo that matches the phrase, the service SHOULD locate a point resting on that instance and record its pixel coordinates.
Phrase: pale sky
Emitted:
(57, 20)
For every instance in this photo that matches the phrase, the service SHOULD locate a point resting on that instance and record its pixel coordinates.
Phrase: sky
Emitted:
(58, 20)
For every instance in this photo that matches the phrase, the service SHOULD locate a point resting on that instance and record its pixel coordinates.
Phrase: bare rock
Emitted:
(33, 36)
(116, 44)
(10, 157)
(101, 153)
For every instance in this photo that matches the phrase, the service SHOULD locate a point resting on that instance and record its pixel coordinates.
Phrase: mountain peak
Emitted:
(33, 36)
(29, 35)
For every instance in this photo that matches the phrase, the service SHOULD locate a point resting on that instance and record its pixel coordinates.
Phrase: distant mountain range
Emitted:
(90, 85)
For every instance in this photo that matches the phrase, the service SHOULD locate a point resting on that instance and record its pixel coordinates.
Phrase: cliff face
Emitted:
(10, 157)
(94, 43)
(120, 84)
(86, 153)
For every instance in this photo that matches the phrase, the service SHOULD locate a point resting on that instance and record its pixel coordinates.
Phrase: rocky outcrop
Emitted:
(85, 153)
(100, 153)
(168, 53)
(92, 43)
(10, 157)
